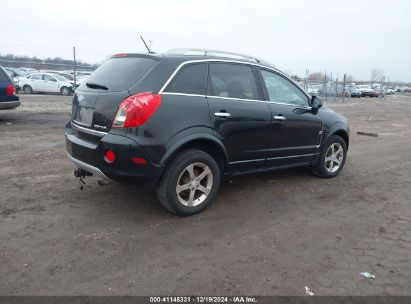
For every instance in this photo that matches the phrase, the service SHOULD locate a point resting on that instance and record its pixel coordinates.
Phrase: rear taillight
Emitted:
(109, 156)
(10, 90)
(135, 110)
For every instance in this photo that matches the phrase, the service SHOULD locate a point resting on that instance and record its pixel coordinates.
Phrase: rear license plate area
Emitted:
(84, 116)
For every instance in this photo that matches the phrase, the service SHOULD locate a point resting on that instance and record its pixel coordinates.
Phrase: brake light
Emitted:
(10, 90)
(139, 160)
(120, 55)
(135, 110)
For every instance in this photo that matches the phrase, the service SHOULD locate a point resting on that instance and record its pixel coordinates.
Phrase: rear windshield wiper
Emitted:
(92, 85)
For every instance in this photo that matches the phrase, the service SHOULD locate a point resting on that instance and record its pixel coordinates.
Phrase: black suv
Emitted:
(186, 119)
(8, 98)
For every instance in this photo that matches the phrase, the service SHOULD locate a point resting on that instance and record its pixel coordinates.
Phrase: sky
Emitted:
(350, 36)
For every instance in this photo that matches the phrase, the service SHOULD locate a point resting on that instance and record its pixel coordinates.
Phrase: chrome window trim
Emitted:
(233, 98)
(87, 130)
(290, 104)
(228, 61)
(183, 94)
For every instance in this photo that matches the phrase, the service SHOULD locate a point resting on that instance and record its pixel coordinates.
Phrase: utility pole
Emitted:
(381, 87)
(74, 67)
(343, 92)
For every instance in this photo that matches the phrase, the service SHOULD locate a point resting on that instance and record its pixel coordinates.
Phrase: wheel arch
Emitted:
(343, 134)
(204, 142)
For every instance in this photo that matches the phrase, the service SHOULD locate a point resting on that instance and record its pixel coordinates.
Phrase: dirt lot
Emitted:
(265, 234)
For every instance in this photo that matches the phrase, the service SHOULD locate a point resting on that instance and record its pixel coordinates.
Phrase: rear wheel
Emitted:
(332, 158)
(189, 183)
(27, 89)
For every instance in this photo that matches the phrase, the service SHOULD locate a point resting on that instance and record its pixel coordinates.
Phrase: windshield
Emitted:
(18, 72)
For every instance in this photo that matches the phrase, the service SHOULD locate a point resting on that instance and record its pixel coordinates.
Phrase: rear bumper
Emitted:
(87, 167)
(87, 152)
(8, 105)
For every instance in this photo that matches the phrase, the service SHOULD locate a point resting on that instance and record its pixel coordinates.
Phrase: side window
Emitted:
(191, 79)
(49, 78)
(232, 80)
(281, 90)
(36, 76)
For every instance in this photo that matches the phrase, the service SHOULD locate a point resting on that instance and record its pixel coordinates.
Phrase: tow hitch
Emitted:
(81, 174)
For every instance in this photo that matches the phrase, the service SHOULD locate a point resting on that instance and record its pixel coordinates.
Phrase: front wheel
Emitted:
(332, 158)
(65, 91)
(190, 182)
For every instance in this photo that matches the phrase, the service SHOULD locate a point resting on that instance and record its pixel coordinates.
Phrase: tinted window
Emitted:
(191, 79)
(232, 80)
(120, 74)
(4, 76)
(282, 90)
(36, 76)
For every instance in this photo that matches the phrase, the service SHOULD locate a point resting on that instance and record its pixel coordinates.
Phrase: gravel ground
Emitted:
(267, 234)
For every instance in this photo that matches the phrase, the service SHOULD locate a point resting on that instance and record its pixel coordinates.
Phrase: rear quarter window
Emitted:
(120, 74)
(191, 79)
(4, 77)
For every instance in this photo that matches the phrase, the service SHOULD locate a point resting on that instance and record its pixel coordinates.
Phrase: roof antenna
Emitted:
(149, 51)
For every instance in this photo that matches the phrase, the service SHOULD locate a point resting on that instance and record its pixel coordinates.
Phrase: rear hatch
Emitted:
(97, 99)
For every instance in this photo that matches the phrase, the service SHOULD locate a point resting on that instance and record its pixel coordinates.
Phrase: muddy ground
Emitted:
(265, 234)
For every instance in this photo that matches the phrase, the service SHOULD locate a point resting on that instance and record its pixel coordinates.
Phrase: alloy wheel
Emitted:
(334, 157)
(194, 184)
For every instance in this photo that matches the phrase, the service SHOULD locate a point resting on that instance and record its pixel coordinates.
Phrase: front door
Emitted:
(239, 116)
(50, 84)
(36, 82)
(296, 129)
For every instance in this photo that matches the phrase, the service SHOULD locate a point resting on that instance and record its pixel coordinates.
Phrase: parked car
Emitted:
(8, 98)
(46, 83)
(28, 70)
(355, 92)
(15, 75)
(389, 91)
(159, 118)
(366, 90)
(313, 89)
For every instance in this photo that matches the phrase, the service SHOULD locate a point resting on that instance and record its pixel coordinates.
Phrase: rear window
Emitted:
(3, 76)
(120, 74)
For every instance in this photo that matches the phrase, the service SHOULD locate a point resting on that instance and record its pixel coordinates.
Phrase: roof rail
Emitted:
(207, 52)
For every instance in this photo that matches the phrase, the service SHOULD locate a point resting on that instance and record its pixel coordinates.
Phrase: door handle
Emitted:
(278, 117)
(222, 114)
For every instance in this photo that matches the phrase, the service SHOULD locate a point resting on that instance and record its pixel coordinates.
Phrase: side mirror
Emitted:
(316, 103)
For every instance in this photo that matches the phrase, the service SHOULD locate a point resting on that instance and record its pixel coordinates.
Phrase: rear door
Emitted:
(239, 115)
(296, 130)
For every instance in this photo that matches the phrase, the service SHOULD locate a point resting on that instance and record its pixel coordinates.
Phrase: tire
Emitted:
(27, 89)
(65, 91)
(327, 164)
(178, 173)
